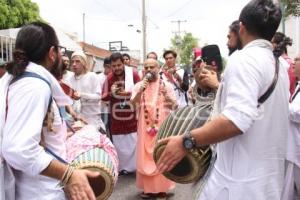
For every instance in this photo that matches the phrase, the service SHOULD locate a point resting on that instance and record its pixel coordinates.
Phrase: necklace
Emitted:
(152, 125)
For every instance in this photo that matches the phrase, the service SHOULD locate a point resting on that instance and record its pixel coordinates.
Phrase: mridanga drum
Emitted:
(196, 162)
(91, 150)
(98, 160)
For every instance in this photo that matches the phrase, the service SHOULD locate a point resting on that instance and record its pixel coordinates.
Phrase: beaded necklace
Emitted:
(152, 125)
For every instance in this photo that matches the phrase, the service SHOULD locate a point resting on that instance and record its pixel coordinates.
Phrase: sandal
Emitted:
(146, 195)
(161, 196)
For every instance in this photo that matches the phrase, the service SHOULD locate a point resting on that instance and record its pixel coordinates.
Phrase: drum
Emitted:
(88, 149)
(195, 164)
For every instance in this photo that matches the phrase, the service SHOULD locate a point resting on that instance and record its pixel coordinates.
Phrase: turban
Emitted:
(81, 56)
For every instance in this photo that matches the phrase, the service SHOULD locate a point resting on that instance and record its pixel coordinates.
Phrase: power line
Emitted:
(140, 12)
(178, 37)
(178, 32)
(180, 8)
(111, 11)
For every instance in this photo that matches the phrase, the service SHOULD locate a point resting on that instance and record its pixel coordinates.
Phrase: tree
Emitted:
(291, 7)
(15, 13)
(185, 46)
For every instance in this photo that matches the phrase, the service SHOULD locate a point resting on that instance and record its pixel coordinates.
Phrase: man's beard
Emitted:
(64, 66)
(237, 47)
(57, 69)
(120, 73)
(232, 49)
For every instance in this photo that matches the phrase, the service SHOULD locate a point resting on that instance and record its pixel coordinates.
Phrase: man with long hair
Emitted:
(250, 123)
(29, 149)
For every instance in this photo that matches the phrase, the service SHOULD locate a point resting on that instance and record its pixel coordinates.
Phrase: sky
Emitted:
(108, 20)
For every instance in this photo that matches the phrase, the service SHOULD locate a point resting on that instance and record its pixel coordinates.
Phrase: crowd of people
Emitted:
(255, 122)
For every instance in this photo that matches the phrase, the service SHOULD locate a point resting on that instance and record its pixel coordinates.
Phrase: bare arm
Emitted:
(136, 99)
(215, 131)
(55, 170)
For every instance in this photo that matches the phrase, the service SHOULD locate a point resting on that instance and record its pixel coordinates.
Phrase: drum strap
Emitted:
(34, 75)
(24, 75)
(271, 88)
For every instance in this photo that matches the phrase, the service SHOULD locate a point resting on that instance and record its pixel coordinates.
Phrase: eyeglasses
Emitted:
(62, 50)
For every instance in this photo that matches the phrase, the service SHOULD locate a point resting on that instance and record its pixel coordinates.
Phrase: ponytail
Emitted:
(32, 45)
(19, 63)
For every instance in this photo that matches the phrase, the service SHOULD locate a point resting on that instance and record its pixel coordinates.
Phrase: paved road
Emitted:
(126, 190)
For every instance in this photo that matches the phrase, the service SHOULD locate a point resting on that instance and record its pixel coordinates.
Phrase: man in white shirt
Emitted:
(176, 76)
(292, 177)
(105, 104)
(24, 105)
(87, 85)
(67, 74)
(2, 68)
(251, 138)
(233, 42)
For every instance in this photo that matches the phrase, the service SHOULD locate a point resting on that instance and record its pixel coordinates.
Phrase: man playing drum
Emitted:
(27, 91)
(250, 136)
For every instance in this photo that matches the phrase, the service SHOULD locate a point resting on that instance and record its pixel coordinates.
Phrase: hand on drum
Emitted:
(173, 153)
(78, 187)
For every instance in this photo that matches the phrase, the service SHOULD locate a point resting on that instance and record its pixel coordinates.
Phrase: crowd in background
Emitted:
(129, 106)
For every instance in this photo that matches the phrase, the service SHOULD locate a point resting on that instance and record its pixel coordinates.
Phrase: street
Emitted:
(126, 190)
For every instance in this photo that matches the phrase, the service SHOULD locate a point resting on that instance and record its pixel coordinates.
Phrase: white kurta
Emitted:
(293, 140)
(67, 75)
(88, 86)
(27, 105)
(104, 105)
(292, 178)
(251, 166)
(180, 94)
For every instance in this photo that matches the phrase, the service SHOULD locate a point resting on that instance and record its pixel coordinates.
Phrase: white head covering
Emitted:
(81, 56)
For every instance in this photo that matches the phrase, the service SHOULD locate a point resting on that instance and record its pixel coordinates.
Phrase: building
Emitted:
(291, 28)
(8, 37)
(96, 56)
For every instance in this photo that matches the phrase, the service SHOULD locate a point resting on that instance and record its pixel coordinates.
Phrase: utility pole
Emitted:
(282, 6)
(178, 38)
(144, 22)
(83, 27)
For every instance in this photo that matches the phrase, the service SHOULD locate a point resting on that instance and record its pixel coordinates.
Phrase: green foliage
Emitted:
(15, 13)
(185, 46)
(291, 7)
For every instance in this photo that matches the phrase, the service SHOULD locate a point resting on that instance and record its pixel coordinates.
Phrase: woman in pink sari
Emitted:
(154, 99)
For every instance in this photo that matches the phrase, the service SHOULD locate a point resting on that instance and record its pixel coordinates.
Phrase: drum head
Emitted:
(189, 169)
(102, 185)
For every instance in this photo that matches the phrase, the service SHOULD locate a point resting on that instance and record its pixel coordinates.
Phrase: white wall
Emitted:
(292, 30)
(98, 65)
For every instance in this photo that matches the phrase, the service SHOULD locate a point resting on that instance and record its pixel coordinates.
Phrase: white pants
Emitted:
(291, 190)
(125, 146)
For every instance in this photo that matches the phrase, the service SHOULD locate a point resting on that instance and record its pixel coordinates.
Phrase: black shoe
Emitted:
(123, 172)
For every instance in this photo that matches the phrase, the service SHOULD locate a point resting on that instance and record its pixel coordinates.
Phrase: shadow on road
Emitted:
(127, 190)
